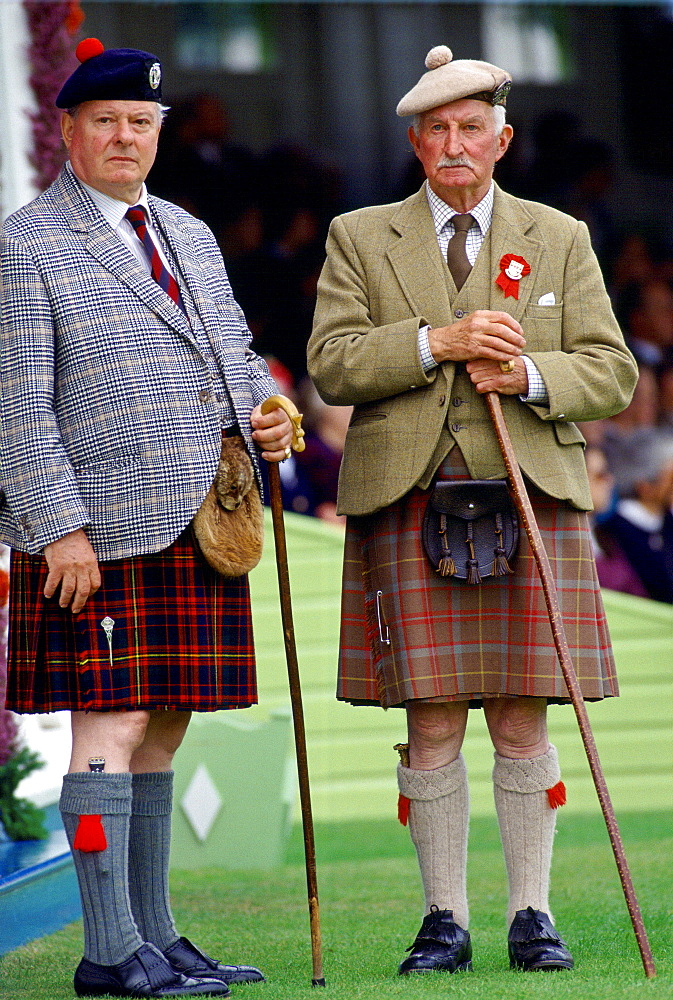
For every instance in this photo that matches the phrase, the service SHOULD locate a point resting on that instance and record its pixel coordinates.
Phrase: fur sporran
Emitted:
(471, 529)
(228, 527)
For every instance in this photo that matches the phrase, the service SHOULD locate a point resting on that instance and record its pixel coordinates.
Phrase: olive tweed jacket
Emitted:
(385, 278)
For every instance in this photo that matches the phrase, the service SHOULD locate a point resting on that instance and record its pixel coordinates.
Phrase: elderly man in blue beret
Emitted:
(125, 366)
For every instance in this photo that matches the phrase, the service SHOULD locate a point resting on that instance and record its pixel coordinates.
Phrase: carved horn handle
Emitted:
(273, 403)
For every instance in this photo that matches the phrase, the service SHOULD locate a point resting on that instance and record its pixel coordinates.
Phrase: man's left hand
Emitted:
(487, 376)
(272, 432)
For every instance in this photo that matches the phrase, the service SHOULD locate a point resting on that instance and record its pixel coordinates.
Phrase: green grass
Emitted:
(370, 911)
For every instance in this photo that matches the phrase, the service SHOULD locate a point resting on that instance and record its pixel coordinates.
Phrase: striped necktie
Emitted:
(160, 273)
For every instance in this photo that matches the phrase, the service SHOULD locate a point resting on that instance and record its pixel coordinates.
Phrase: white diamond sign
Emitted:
(201, 802)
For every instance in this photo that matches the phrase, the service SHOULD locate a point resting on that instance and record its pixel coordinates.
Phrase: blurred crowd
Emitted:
(270, 214)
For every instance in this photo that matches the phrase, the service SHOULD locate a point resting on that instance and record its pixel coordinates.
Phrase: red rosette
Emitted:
(510, 282)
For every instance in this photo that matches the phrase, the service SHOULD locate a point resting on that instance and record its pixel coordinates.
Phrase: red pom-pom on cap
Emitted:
(88, 48)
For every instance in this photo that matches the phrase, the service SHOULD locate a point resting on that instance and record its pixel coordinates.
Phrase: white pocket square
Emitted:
(548, 299)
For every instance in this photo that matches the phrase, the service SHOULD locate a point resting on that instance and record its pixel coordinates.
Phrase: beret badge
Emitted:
(154, 76)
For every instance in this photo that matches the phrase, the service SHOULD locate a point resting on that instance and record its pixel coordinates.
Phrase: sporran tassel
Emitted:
(500, 565)
(447, 566)
(473, 575)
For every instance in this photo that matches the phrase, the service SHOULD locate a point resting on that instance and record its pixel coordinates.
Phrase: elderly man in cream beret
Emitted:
(421, 305)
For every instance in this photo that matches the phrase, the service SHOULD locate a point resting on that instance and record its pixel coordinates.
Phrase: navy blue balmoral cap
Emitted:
(111, 75)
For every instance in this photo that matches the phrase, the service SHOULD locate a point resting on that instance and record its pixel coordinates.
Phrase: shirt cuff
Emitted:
(537, 390)
(427, 359)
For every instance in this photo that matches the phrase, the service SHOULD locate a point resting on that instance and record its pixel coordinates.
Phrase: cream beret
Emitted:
(448, 81)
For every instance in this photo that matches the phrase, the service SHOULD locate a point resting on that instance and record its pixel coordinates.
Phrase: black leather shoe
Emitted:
(145, 974)
(533, 943)
(440, 945)
(187, 958)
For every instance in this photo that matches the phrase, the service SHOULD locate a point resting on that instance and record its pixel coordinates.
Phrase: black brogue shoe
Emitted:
(185, 957)
(534, 943)
(440, 946)
(145, 974)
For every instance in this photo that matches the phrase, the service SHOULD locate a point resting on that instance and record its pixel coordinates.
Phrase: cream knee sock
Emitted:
(527, 824)
(438, 823)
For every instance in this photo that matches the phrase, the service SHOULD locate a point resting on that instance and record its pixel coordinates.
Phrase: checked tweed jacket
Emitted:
(110, 408)
(385, 278)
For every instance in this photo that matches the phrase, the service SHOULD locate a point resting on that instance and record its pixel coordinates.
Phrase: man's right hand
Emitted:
(73, 564)
(481, 334)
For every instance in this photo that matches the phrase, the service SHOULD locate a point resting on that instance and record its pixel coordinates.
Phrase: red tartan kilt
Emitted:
(452, 640)
(181, 638)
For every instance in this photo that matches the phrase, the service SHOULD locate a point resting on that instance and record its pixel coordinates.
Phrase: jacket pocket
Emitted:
(363, 420)
(568, 433)
(107, 465)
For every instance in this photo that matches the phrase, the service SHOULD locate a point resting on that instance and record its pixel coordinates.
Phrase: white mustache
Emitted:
(454, 161)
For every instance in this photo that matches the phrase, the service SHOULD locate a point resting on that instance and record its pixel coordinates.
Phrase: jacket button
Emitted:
(441, 401)
(204, 395)
(457, 401)
(459, 313)
(457, 427)
(561, 416)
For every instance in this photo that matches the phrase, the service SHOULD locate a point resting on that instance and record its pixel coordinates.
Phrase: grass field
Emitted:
(370, 911)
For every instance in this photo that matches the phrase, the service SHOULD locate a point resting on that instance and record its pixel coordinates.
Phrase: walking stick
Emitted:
(272, 403)
(525, 509)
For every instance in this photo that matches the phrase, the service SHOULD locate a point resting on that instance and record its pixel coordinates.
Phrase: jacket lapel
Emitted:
(510, 233)
(417, 261)
(105, 247)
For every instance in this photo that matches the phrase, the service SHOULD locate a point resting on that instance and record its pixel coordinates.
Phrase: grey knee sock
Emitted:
(438, 823)
(149, 851)
(110, 932)
(527, 824)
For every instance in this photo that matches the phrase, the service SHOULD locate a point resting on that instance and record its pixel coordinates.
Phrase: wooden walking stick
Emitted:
(272, 403)
(525, 510)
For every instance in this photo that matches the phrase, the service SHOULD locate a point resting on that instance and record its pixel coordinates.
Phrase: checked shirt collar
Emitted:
(443, 213)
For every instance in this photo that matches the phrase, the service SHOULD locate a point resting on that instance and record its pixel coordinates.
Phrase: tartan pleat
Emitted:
(450, 640)
(181, 638)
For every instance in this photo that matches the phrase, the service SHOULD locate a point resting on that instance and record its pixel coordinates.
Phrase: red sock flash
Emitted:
(557, 795)
(90, 835)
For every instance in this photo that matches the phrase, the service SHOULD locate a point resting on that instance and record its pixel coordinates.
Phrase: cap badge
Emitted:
(500, 93)
(154, 77)
(512, 270)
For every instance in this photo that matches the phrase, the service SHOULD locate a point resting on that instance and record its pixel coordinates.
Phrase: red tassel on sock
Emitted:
(90, 835)
(557, 795)
(403, 804)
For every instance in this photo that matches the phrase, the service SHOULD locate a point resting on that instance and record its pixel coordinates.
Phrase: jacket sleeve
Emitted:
(594, 374)
(350, 358)
(36, 476)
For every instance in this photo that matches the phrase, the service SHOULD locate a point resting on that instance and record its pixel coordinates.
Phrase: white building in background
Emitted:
(16, 102)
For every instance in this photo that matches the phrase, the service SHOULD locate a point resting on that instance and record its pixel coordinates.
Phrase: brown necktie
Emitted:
(456, 257)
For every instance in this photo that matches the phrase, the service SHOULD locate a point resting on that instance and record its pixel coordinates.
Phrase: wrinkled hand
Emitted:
(272, 432)
(481, 334)
(73, 564)
(487, 376)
